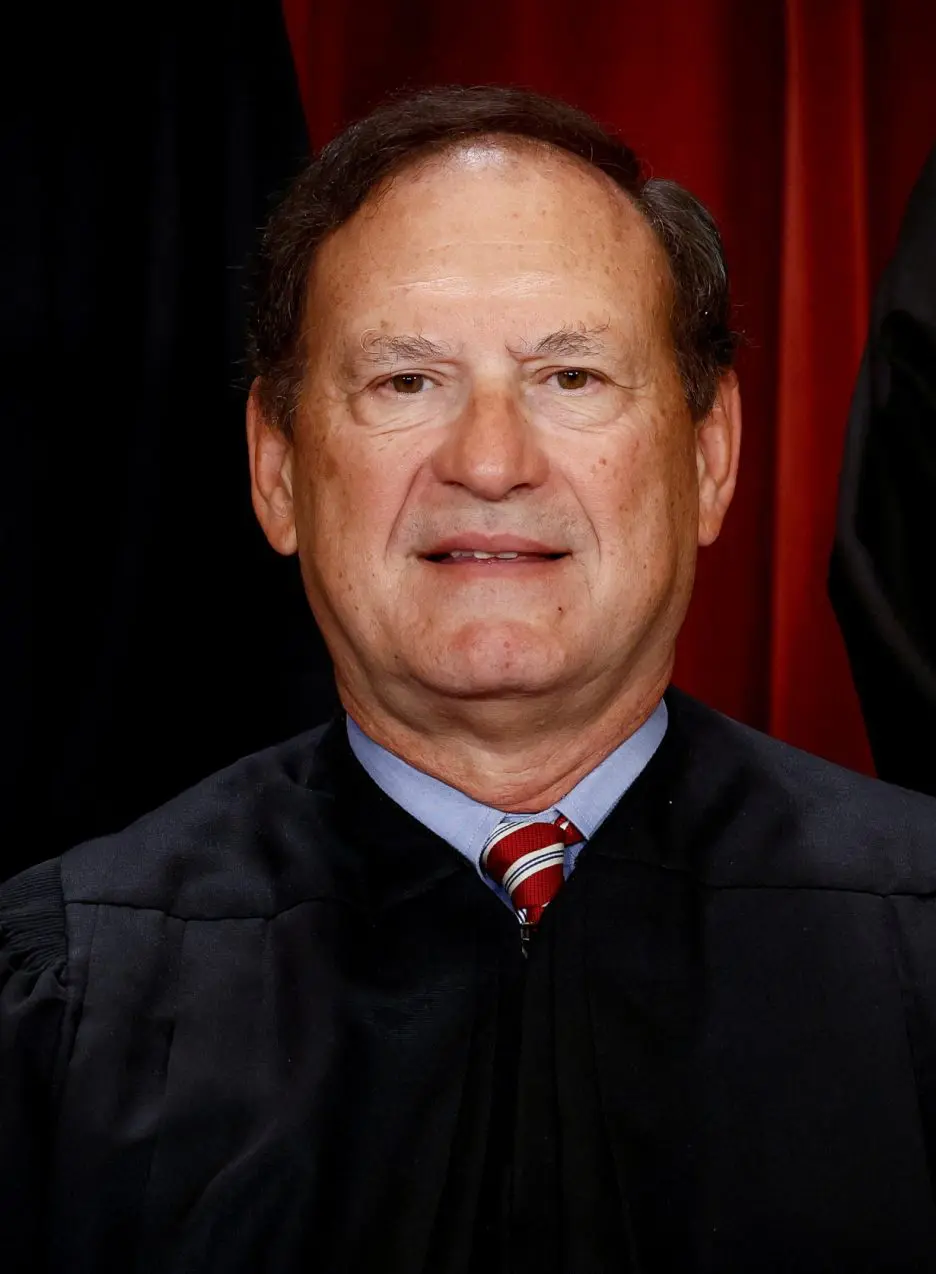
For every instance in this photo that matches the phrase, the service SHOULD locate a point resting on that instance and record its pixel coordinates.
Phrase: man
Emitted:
(531, 963)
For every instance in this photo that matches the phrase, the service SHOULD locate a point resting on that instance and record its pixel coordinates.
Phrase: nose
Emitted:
(492, 449)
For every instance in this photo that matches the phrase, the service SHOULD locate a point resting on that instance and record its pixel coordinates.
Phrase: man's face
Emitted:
(490, 371)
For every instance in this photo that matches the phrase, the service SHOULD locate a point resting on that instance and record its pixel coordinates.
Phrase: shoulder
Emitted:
(794, 818)
(248, 841)
(32, 917)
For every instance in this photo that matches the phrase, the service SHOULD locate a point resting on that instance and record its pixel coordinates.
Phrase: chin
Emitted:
(493, 661)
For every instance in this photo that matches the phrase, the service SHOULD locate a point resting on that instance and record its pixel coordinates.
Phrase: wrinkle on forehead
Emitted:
(462, 285)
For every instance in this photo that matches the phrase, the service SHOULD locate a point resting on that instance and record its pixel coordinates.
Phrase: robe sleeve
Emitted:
(33, 1003)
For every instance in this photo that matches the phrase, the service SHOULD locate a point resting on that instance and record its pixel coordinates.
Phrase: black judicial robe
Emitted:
(279, 1026)
(881, 571)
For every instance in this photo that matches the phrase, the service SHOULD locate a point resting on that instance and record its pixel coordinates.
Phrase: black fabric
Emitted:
(35, 917)
(140, 150)
(881, 575)
(294, 1030)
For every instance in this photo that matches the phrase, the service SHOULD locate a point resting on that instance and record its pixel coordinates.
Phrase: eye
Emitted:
(408, 382)
(573, 378)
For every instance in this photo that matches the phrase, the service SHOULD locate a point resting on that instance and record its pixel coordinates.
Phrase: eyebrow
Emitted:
(393, 349)
(567, 342)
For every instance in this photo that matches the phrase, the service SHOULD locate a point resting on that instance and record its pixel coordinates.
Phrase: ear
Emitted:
(271, 476)
(718, 449)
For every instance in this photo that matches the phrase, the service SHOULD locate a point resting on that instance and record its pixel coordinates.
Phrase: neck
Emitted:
(519, 759)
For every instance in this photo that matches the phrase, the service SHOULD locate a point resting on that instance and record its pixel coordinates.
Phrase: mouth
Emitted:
(493, 552)
(481, 557)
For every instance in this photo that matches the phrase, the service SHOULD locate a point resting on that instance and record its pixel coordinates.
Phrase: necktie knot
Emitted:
(527, 859)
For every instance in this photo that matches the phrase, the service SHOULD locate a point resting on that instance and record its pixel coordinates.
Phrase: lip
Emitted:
(493, 544)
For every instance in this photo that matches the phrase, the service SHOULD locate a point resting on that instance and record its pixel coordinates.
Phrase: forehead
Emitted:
(506, 229)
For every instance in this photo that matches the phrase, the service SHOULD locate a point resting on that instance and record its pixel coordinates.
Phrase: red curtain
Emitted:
(803, 125)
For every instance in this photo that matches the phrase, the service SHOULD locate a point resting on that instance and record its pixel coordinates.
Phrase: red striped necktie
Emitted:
(527, 860)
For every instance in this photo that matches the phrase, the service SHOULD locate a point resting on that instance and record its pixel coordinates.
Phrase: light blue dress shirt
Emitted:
(466, 824)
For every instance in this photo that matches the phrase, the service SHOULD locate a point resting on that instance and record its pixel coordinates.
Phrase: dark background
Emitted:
(151, 634)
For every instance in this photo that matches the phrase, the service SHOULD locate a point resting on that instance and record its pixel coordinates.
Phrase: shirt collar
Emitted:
(466, 823)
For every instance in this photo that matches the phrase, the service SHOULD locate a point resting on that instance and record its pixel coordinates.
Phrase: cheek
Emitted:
(350, 500)
(646, 495)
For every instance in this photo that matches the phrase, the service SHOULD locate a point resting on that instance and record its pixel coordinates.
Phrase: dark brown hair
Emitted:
(338, 181)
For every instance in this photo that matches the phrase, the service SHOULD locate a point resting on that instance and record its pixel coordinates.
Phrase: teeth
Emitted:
(479, 553)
